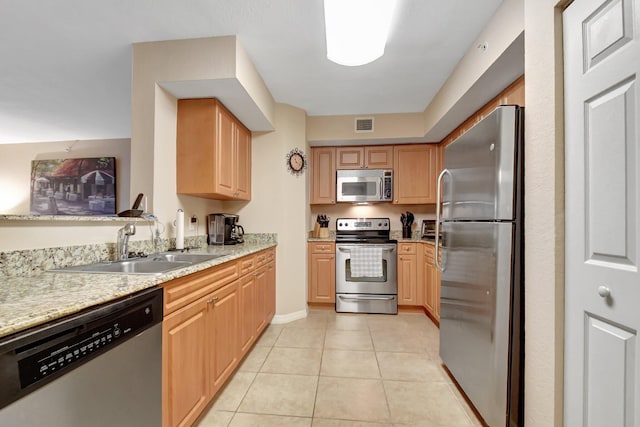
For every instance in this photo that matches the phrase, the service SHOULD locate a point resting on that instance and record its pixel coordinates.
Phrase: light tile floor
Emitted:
(343, 370)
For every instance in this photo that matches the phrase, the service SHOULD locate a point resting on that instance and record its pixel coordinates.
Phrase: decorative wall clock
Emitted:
(296, 162)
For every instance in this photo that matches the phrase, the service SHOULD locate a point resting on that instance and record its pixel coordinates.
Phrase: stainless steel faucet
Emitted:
(122, 246)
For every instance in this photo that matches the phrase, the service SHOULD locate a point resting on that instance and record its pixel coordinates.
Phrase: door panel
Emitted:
(610, 353)
(475, 312)
(611, 183)
(602, 286)
(480, 169)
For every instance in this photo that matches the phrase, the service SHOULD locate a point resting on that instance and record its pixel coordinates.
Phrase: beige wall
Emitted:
(279, 205)
(339, 128)
(544, 212)
(505, 26)
(15, 167)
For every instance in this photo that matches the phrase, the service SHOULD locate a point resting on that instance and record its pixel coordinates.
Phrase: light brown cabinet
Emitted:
(223, 319)
(415, 173)
(185, 348)
(323, 176)
(212, 318)
(431, 283)
(365, 157)
(213, 151)
(408, 274)
(322, 272)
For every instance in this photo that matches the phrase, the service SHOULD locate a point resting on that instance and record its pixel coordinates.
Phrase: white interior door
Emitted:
(602, 306)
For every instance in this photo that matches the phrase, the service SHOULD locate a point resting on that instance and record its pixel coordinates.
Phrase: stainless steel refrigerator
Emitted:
(481, 305)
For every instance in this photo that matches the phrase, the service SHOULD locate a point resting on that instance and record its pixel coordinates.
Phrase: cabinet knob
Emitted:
(212, 300)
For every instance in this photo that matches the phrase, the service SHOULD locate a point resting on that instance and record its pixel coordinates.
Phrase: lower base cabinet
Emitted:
(205, 337)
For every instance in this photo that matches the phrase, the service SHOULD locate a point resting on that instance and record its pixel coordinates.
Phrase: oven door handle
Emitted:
(366, 298)
(349, 250)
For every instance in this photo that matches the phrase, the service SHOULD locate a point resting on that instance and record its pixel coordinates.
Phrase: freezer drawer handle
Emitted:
(436, 261)
(366, 298)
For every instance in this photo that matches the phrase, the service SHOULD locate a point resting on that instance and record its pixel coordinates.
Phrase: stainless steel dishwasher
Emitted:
(100, 367)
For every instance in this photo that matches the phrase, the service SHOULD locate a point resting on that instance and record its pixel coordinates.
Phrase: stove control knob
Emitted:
(379, 224)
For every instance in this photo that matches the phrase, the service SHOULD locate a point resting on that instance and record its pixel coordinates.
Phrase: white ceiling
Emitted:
(65, 65)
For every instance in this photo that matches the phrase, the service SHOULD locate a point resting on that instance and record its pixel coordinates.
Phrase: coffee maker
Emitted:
(223, 229)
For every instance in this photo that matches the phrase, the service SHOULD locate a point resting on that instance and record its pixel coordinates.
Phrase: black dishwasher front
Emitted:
(100, 367)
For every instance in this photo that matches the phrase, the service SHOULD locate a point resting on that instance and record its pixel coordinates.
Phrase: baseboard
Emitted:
(290, 317)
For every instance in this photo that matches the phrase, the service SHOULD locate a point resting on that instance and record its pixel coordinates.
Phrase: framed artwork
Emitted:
(80, 187)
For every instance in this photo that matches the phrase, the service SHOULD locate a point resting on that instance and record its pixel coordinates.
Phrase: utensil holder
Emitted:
(406, 232)
(324, 232)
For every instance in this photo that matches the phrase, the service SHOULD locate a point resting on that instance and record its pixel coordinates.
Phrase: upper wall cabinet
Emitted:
(323, 176)
(367, 157)
(415, 173)
(213, 151)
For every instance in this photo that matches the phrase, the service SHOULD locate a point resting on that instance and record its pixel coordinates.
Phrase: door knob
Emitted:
(604, 292)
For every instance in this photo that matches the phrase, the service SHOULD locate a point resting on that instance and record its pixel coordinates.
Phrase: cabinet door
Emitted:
(427, 286)
(242, 163)
(435, 280)
(261, 300)
(195, 147)
(222, 323)
(349, 157)
(322, 278)
(378, 157)
(407, 280)
(184, 360)
(225, 152)
(323, 175)
(271, 291)
(415, 168)
(247, 308)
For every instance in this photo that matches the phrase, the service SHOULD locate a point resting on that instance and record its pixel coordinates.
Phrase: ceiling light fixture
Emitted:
(357, 30)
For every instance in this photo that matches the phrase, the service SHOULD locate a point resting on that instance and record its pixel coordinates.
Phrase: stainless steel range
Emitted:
(366, 266)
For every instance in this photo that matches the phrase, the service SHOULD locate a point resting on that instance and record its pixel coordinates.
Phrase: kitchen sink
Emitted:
(183, 257)
(153, 264)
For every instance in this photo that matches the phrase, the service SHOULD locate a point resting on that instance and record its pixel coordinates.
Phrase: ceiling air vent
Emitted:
(364, 124)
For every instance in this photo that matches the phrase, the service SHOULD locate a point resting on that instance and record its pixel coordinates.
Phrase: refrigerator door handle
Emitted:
(438, 218)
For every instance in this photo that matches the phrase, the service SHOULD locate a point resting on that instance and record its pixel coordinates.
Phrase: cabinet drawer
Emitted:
(322, 247)
(247, 265)
(271, 255)
(407, 248)
(261, 259)
(428, 251)
(182, 291)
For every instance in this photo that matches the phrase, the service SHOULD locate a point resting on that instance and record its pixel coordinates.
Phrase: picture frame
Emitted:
(78, 187)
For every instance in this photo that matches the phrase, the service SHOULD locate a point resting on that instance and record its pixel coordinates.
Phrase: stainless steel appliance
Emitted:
(428, 229)
(369, 185)
(366, 266)
(481, 311)
(102, 367)
(223, 229)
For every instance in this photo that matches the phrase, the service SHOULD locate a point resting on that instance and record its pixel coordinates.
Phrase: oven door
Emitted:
(385, 285)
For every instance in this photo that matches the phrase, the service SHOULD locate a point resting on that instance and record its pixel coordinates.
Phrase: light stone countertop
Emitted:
(26, 302)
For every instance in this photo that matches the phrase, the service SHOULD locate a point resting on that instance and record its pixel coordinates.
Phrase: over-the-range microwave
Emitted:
(364, 185)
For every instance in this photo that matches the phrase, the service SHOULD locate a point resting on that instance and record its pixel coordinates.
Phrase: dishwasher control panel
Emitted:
(60, 355)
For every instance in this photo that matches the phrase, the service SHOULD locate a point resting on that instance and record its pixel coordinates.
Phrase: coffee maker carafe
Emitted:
(223, 229)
